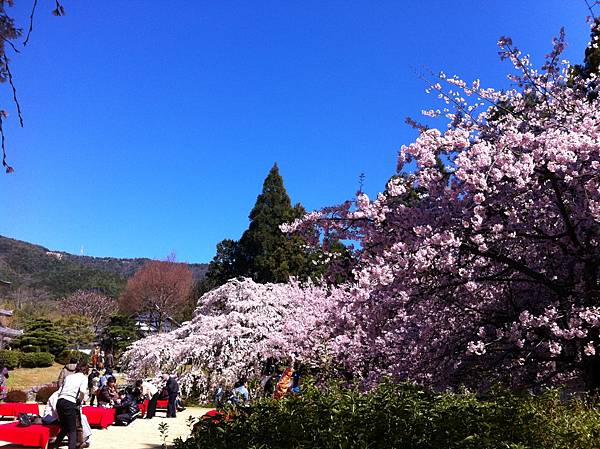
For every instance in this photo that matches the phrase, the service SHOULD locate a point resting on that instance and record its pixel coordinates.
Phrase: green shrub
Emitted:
(37, 360)
(404, 417)
(10, 359)
(16, 396)
(42, 334)
(30, 348)
(64, 357)
(44, 393)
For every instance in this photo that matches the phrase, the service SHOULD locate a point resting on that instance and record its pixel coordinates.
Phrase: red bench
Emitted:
(14, 408)
(161, 404)
(99, 416)
(36, 435)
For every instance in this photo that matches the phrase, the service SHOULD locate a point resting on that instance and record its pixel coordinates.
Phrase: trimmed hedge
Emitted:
(64, 357)
(30, 348)
(37, 360)
(44, 393)
(16, 396)
(404, 417)
(10, 359)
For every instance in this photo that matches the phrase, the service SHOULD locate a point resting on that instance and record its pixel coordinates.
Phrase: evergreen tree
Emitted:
(119, 333)
(41, 335)
(591, 61)
(264, 253)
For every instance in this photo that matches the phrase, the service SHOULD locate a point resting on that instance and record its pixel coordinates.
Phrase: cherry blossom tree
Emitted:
(480, 262)
(235, 329)
(90, 304)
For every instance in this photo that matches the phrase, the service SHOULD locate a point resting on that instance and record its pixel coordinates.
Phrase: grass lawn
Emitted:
(25, 378)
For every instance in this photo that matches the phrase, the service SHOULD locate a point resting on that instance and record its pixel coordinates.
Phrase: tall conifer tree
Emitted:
(266, 254)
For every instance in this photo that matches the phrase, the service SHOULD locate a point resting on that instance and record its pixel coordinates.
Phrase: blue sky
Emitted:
(150, 125)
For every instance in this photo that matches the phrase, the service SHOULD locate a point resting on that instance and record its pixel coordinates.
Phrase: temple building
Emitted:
(6, 333)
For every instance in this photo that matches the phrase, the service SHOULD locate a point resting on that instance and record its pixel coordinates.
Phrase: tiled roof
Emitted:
(8, 332)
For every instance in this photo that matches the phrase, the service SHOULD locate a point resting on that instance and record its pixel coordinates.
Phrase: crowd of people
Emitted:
(81, 384)
(276, 382)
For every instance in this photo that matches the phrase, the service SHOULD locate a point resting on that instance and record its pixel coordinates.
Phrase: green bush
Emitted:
(404, 417)
(37, 360)
(43, 335)
(10, 359)
(64, 357)
(30, 348)
(16, 396)
(44, 393)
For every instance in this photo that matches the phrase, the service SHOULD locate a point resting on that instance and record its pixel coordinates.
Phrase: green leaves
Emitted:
(403, 416)
(41, 335)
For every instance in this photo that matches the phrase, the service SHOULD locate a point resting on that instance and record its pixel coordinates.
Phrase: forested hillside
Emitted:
(58, 273)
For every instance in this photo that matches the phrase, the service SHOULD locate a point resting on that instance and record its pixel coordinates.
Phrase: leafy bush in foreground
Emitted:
(44, 394)
(404, 417)
(16, 396)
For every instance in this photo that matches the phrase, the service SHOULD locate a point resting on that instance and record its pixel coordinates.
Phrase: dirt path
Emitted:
(141, 434)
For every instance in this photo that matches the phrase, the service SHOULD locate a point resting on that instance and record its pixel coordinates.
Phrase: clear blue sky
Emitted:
(150, 125)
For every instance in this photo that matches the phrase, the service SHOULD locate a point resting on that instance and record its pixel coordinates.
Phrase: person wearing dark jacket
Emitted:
(108, 395)
(173, 389)
(127, 409)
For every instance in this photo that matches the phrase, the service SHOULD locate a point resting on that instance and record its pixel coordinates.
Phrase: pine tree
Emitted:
(264, 253)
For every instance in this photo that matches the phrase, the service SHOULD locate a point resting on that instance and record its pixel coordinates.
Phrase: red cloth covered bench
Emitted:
(36, 435)
(161, 404)
(100, 416)
(14, 408)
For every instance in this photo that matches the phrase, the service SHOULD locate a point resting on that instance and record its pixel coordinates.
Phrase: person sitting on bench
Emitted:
(127, 408)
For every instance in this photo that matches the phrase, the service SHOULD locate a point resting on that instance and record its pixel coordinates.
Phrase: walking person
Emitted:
(110, 360)
(95, 355)
(70, 398)
(67, 370)
(93, 382)
(173, 389)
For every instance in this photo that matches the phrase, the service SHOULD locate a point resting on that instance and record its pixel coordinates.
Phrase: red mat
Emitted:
(36, 435)
(100, 416)
(159, 404)
(14, 408)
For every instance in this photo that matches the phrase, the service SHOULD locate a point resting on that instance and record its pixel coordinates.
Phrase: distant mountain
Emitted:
(59, 273)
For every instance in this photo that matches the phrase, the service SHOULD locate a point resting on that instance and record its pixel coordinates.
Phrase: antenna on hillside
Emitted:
(82, 251)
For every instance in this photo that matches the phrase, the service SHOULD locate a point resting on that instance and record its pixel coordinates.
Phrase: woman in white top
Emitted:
(71, 395)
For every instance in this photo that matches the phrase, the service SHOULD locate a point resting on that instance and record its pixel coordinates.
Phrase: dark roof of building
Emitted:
(4, 312)
(5, 282)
